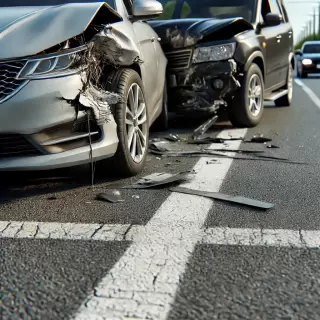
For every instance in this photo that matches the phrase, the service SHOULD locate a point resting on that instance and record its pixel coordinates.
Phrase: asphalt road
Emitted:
(169, 256)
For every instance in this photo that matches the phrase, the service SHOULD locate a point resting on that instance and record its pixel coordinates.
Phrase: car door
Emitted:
(282, 38)
(288, 35)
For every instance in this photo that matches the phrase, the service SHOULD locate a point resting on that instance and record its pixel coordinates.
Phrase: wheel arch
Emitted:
(257, 58)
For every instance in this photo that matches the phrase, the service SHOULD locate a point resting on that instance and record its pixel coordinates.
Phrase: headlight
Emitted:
(214, 53)
(51, 66)
(306, 62)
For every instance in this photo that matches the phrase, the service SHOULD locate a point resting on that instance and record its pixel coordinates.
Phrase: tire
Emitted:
(162, 122)
(124, 163)
(285, 101)
(240, 113)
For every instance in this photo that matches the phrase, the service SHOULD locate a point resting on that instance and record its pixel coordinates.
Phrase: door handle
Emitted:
(153, 39)
(290, 32)
(279, 37)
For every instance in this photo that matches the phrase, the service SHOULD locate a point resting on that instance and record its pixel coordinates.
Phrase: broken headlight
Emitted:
(214, 53)
(60, 64)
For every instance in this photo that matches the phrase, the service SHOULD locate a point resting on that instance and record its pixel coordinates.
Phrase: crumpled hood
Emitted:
(179, 33)
(26, 31)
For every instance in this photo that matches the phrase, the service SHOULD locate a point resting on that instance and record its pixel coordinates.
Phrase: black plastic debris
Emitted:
(201, 130)
(259, 139)
(112, 196)
(158, 146)
(209, 140)
(224, 197)
(52, 198)
(272, 146)
(158, 179)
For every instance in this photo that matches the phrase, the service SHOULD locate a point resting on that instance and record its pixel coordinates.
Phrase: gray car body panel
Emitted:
(41, 104)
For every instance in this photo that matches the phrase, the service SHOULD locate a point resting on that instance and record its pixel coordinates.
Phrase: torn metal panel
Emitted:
(203, 87)
(112, 196)
(182, 33)
(202, 129)
(224, 197)
(54, 25)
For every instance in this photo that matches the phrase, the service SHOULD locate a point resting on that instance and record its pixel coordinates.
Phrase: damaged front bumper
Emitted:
(39, 128)
(202, 87)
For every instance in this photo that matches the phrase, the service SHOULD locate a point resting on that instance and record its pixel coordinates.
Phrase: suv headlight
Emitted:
(214, 53)
(306, 62)
(51, 66)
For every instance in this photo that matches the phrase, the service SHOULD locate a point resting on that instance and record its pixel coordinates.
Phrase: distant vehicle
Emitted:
(308, 59)
(44, 118)
(234, 53)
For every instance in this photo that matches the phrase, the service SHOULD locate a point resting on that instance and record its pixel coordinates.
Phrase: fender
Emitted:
(262, 65)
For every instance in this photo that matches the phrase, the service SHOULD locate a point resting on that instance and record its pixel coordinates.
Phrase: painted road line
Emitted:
(63, 231)
(315, 99)
(143, 283)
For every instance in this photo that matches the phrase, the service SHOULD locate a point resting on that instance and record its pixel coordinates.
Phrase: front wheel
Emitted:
(246, 108)
(131, 116)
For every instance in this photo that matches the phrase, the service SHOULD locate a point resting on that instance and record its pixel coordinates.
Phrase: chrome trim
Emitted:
(62, 140)
(15, 91)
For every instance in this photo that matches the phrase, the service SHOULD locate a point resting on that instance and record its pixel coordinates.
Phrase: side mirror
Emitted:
(272, 19)
(298, 52)
(146, 8)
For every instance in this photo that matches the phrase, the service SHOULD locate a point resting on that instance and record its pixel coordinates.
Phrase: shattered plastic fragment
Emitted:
(223, 197)
(201, 130)
(209, 140)
(272, 146)
(260, 139)
(173, 137)
(112, 196)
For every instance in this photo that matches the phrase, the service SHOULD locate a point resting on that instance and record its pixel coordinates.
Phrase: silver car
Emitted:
(80, 82)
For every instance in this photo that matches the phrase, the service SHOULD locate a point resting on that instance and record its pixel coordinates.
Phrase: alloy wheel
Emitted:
(255, 95)
(136, 123)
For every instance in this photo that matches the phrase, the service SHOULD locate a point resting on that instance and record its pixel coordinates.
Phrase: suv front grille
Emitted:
(15, 145)
(178, 60)
(9, 85)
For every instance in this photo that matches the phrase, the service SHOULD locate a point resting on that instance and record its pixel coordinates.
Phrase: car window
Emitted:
(275, 7)
(128, 5)
(31, 3)
(311, 48)
(177, 9)
(285, 13)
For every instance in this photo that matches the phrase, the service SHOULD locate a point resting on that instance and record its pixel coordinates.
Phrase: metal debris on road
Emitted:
(112, 196)
(201, 130)
(224, 197)
(158, 179)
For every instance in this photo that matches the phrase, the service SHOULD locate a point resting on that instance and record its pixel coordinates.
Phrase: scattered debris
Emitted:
(157, 179)
(172, 137)
(158, 158)
(212, 161)
(272, 146)
(201, 130)
(209, 140)
(135, 196)
(224, 197)
(52, 198)
(112, 196)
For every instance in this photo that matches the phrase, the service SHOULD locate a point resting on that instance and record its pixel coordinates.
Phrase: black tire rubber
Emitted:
(238, 110)
(285, 101)
(162, 122)
(122, 163)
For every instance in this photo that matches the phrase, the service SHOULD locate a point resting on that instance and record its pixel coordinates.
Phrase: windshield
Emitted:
(177, 9)
(312, 48)
(31, 3)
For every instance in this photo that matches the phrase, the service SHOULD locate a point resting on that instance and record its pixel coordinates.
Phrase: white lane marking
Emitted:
(63, 231)
(160, 233)
(143, 283)
(315, 99)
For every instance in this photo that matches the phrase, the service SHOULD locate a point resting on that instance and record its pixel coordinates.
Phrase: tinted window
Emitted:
(208, 9)
(311, 48)
(30, 3)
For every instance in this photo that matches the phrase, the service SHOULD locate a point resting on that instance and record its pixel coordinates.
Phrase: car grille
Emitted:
(9, 85)
(15, 145)
(179, 59)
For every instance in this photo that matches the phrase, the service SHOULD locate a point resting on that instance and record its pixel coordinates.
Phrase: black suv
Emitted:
(232, 53)
(308, 59)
